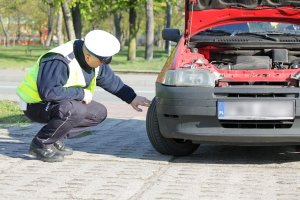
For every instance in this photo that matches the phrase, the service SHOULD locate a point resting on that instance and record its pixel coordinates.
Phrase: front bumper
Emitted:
(191, 113)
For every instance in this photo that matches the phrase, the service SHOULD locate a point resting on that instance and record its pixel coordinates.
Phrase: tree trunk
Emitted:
(77, 20)
(168, 25)
(60, 35)
(18, 35)
(5, 31)
(68, 20)
(117, 22)
(132, 31)
(158, 39)
(51, 24)
(149, 30)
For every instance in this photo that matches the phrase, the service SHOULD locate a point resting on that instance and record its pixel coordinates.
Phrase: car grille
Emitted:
(257, 95)
(255, 124)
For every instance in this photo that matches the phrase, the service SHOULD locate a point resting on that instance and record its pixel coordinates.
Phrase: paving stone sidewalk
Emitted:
(116, 161)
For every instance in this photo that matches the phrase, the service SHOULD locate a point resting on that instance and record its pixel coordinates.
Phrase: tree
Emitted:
(51, 24)
(68, 20)
(118, 16)
(72, 11)
(168, 25)
(82, 10)
(60, 35)
(5, 31)
(17, 18)
(120, 9)
(149, 30)
(117, 6)
(6, 10)
(76, 16)
(132, 30)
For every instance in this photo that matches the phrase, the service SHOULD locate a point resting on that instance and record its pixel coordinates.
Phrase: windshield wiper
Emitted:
(213, 32)
(260, 35)
(285, 34)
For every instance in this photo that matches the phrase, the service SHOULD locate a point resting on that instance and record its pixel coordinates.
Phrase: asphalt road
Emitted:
(116, 161)
(143, 84)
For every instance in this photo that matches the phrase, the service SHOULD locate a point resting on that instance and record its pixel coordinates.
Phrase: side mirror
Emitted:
(171, 34)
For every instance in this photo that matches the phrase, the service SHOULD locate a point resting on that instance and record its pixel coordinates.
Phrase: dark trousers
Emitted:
(64, 119)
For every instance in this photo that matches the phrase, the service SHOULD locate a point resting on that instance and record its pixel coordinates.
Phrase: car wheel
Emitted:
(168, 146)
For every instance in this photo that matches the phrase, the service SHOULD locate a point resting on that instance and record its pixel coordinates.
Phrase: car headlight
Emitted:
(190, 77)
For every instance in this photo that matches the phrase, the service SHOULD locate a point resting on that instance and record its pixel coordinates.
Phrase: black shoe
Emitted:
(46, 154)
(62, 149)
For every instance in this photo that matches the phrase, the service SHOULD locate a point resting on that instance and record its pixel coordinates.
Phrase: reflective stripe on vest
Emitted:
(28, 88)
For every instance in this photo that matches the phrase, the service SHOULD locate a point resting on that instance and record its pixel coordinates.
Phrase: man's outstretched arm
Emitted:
(113, 84)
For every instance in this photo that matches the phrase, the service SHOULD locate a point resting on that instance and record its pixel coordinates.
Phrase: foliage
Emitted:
(95, 13)
(90, 9)
(103, 10)
(86, 7)
(19, 13)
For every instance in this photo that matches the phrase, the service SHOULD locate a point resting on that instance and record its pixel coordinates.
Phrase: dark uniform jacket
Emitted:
(53, 75)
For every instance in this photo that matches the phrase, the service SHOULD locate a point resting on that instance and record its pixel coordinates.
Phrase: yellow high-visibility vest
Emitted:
(28, 91)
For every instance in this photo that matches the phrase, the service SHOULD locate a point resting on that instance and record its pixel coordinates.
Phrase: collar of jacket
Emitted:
(77, 48)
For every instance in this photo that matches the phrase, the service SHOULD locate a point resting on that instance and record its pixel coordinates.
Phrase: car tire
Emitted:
(167, 146)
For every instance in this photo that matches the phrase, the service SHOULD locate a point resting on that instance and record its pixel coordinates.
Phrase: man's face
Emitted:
(92, 61)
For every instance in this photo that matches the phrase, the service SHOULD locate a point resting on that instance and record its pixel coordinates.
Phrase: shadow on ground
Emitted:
(127, 138)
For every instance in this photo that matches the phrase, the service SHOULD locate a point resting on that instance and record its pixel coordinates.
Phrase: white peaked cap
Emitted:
(102, 43)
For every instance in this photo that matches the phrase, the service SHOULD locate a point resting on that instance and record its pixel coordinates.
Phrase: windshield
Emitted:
(255, 27)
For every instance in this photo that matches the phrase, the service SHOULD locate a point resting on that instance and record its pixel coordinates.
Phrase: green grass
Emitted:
(10, 114)
(18, 57)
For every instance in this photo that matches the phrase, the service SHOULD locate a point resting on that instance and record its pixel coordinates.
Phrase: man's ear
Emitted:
(87, 57)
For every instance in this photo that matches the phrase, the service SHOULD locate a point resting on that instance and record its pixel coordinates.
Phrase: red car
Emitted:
(233, 77)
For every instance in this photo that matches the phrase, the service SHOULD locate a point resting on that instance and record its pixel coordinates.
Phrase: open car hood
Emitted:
(204, 14)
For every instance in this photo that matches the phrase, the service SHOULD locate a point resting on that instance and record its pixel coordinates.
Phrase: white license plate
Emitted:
(256, 110)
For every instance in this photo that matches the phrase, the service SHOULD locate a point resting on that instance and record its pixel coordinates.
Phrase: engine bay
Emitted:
(255, 59)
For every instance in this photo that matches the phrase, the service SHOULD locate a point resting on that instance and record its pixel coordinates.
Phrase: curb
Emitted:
(136, 72)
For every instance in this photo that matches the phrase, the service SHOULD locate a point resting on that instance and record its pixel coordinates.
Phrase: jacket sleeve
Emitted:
(112, 83)
(53, 75)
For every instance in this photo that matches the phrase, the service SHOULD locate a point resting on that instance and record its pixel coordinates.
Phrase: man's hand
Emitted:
(87, 96)
(140, 101)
